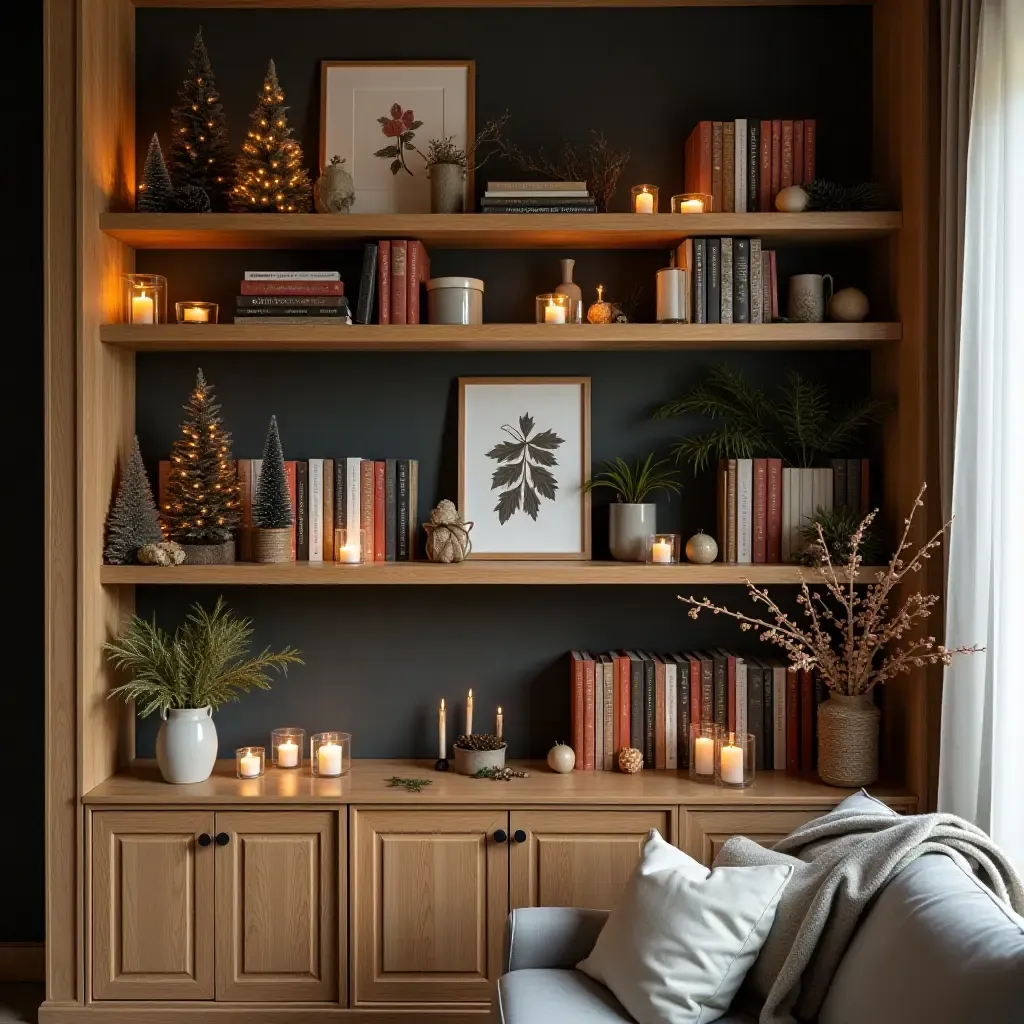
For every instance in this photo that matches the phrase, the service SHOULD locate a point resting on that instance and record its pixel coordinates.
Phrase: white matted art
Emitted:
(378, 117)
(524, 458)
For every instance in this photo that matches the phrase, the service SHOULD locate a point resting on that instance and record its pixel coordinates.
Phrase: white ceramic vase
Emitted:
(628, 527)
(186, 745)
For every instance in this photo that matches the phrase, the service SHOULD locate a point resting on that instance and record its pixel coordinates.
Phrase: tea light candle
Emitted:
(329, 759)
(554, 314)
(691, 206)
(288, 754)
(349, 553)
(249, 766)
(732, 764)
(195, 315)
(143, 309)
(704, 755)
(442, 731)
(644, 202)
(661, 552)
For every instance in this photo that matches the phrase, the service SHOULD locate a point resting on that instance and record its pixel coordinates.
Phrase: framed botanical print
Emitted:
(378, 116)
(524, 458)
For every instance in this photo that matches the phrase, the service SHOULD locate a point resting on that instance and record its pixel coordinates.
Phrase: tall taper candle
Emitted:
(442, 731)
(469, 714)
(497, 729)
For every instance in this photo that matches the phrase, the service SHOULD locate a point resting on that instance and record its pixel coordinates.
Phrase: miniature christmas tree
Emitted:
(133, 517)
(269, 176)
(272, 506)
(202, 505)
(155, 193)
(199, 153)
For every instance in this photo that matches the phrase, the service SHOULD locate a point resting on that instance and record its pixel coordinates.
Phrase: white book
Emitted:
(806, 509)
(353, 505)
(741, 697)
(779, 697)
(671, 699)
(315, 502)
(257, 472)
(740, 164)
(822, 489)
(609, 714)
(744, 510)
(598, 715)
(565, 193)
(292, 275)
(787, 514)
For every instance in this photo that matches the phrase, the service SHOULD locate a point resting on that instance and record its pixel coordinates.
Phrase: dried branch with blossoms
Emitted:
(852, 638)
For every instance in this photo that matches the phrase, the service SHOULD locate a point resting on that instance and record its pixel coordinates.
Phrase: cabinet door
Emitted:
(704, 831)
(429, 902)
(277, 905)
(578, 858)
(152, 905)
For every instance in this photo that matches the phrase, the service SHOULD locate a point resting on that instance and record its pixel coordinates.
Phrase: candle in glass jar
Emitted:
(661, 551)
(732, 764)
(554, 314)
(499, 724)
(288, 754)
(349, 553)
(442, 731)
(195, 315)
(644, 202)
(328, 759)
(691, 206)
(469, 714)
(249, 766)
(704, 755)
(143, 309)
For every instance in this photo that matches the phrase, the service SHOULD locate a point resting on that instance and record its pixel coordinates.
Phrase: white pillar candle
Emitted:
(661, 551)
(691, 206)
(644, 202)
(499, 724)
(469, 714)
(328, 759)
(287, 754)
(142, 309)
(349, 553)
(732, 765)
(704, 755)
(195, 315)
(249, 766)
(442, 731)
(554, 314)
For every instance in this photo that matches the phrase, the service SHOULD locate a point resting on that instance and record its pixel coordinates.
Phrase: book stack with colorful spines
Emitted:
(288, 296)
(729, 280)
(649, 701)
(537, 197)
(744, 164)
(403, 267)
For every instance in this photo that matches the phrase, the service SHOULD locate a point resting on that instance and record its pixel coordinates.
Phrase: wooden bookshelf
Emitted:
(313, 337)
(483, 230)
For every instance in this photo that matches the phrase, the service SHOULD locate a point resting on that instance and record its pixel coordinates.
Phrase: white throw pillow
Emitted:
(681, 938)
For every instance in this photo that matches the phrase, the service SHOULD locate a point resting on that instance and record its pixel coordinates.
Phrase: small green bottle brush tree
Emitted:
(133, 520)
(272, 513)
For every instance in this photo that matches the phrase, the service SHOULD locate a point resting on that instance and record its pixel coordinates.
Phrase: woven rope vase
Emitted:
(848, 740)
(271, 545)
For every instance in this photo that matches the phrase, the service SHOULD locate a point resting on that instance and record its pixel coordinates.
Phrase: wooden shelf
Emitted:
(483, 231)
(475, 572)
(310, 337)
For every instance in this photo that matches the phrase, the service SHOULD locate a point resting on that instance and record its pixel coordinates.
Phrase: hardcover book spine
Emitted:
(776, 160)
(624, 704)
(384, 282)
(295, 311)
(608, 718)
(566, 207)
(721, 692)
(589, 724)
(577, 709)
(779, 695)
(340, 494)
(714, 280)
(366, 507)
(301, 288)
(717, 194)
(730, 691)
(807, 711)
(727, 281)
(648, 747)
(660, 711)
(764, 181)
(705, 164)
(301, 512)
(290, 469)
(399, 285)
(774, 553)
(402, 510)
(700, 289)
(760, 553)
(367, 285)
(744, 510)
(742, 726)
(696, 688)
(753, 165)
(333, 303)
(414, 505)
(598, 714)
(742, 150)
(316, 510)
(756, 286)
(412, 302)
(328, 516)
(798, 152)
(810, 133)
(291, 275)
(729, 166)
(766, 281)
(353, 495)
(683, 712)
(792, 722)
(379, 528)
(731, 544)
(390, 511)
(768, 691)
(542, 203)
(786, 178)
(707, 689)
(741, 281)
(636, 702)
(755, 711)
(773, 286)
(536, 186)
(839, 491)
(684, 259)
(722, 509)
(671, 714)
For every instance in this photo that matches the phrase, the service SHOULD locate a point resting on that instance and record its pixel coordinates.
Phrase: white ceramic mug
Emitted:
(809, 294)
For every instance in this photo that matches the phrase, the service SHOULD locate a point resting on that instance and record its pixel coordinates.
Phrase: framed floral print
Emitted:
(379, 116)
(524, 458)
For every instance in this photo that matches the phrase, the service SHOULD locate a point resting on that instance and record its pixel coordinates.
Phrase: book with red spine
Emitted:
(366, 507)
(412, 302)
(760, 524)
(577, 708)
(774, 555)
(697, 159)
(622, 723)
(328, 516)
(290, 476)
(379, 511)
(589, 712)
(659, 713)
(776, 160)
(399, 285)
(695, 688)
(292, 288)
(810, 133)
(786, 174)
(798, 152)
(764, 181)
(384, 282)
(807, 709)
(792, 721)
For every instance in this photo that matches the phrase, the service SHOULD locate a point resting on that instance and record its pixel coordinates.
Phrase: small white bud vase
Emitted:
(186, 745)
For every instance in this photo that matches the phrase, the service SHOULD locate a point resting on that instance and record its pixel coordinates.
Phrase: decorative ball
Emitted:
(792, 200)
(561, 758)
(848, 306)
(164, 552)
(600, 312)
(702, 548)
(630, 760)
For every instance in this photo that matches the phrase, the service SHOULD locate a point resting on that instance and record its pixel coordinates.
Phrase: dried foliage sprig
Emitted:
(487, 141)
(852, 638)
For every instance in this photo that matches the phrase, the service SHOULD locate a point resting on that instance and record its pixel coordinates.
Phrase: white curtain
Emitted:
(981, 765)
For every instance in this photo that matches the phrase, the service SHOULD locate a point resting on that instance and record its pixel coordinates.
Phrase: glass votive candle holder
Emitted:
(286, 746)
(703, 737)
(691, 202)
(350, 545)
(249, 762)
(555, 308)
(144, 298)
(196, 312)
(663, 548)
(643, 198)
(734, 759)
(330, 754)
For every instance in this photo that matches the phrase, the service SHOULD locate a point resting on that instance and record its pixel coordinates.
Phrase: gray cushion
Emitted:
(937, 946)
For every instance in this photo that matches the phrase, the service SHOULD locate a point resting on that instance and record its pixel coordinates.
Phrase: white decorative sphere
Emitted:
(702, 548)
(848, 306)
(792, 200)
(561, 758)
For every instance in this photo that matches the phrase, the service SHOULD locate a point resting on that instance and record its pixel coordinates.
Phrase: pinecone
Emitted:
(480, 741)
(192, 199)
(630, 760)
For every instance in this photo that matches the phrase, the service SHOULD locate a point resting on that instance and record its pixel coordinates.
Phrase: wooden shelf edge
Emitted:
(309, 337)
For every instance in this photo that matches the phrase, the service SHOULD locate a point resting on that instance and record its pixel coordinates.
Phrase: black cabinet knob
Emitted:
(223, 839)
(500, 836)
(204, 839)
(519, 836)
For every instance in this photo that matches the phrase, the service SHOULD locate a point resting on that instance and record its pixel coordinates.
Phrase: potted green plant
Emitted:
(186, 677)
(631, 517)
(447, 164)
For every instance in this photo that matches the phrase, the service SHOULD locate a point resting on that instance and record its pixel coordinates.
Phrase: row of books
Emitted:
(763, 508)
(394, 272)
(285, 296)
(649, 701)
(744, 164)
(729, 280)
(537, 197)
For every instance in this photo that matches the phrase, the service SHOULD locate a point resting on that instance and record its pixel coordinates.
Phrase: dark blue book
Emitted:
(636, 700)
(714, 279)
(648, 747)
(367, 285)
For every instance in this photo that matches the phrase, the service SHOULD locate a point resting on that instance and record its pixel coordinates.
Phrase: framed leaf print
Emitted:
(378, 116)
(524, 457)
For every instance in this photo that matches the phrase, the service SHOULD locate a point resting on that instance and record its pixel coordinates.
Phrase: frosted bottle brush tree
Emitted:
(272, 505)
(133, 520)
(155, 193)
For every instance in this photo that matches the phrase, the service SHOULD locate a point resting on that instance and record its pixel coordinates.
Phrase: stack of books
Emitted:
(287, 296)
(537, 197)
(649, 701)
(402, 268)
(729, 281)
(744, 164)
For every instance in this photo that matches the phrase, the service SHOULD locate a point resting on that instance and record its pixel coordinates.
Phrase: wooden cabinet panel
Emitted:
(429, 902)
(152, 905)
(278, 906)
(578, 858)
(704, 831)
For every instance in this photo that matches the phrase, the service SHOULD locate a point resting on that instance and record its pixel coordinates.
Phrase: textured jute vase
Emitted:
(848, 740)
(271, 545)
(209, 554)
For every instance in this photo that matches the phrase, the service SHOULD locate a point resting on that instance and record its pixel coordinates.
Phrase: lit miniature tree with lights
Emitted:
(199, 153)
(202, 505)
(155, 193)
(269, 176)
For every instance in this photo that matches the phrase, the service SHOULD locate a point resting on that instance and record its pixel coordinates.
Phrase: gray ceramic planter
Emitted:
(469, 762)
(628, 527)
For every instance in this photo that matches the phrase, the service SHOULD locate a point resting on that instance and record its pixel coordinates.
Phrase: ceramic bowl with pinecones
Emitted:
(478, 750)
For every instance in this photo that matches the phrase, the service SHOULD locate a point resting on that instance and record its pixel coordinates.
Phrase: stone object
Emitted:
(334, 191)
(848, 306)
(631, 760)
(164, 552)
(792, 200)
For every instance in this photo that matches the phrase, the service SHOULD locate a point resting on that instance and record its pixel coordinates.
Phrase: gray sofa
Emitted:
(936, 947)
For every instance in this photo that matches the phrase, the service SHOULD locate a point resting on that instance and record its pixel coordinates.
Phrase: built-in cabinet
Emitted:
(704, 830)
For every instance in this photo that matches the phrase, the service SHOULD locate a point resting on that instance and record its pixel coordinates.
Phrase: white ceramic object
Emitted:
(455, 300)
(628, 527)
(561, 758)
(848, 306)
(792, 200)
(808, 296)
(186, 745)
(701, 548)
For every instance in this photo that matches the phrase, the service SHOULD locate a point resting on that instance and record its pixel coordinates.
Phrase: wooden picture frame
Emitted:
(477, 495)
(350, 130)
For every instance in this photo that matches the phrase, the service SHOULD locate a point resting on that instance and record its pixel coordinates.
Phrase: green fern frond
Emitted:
(633, 484)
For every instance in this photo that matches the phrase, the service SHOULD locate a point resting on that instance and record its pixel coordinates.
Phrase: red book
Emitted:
(760, 511)
(292, 288)
(806, 721)
(865, 486)
(577, 708)
(384, 282)
(774, 285)
(774, 511)
(776, 160)
(616, 700)
(798, 152)
(809, 139)
(289, 475)
(399, 286)
(412, 298)
(622, 708)
(589, 712)
(717, 190)
(787, 155)
(697, 159)
(659, 713)
(379, 529)
(366, 507)
(764, 178)
(695, 689)
(792, 722)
